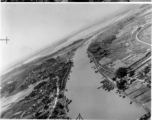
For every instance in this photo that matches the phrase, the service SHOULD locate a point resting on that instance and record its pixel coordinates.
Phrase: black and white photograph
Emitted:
(76, 1)
(75, 61)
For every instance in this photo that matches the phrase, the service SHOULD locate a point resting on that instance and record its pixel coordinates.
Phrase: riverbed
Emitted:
(93, 103)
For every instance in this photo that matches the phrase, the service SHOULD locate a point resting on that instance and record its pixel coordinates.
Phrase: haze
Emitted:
(31, 27)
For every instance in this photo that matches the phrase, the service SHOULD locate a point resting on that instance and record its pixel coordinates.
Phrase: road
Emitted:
(144, 26)
(135, 35)
(100, 67)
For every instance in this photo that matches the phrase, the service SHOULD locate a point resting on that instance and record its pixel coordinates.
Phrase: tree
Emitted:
(121, 72)
(147, 69)
(121, 85)
(141, 75)
(114, 79)
(131, 73)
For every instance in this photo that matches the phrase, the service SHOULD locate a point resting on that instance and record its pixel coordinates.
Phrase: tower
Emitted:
(79, 117)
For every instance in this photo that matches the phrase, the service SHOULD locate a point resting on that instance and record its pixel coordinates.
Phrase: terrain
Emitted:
(45, 78)
(122, 54)
(65, 82)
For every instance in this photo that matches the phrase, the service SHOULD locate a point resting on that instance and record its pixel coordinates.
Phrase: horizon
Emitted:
(75, 29)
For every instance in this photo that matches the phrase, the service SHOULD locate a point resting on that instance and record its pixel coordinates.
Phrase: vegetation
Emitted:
(43, 90)
(121, 72)
(147, 69)
(121, 85)
(40, 85)
(100, 46)
(9, 88)
(51, 74)
(131, 73)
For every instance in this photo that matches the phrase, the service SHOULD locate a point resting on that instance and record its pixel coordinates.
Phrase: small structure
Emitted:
(79, 117)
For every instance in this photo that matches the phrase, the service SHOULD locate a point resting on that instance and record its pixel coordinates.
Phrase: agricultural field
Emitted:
(118, 46)
(127, 46)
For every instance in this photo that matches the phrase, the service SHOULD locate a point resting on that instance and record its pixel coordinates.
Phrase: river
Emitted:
(93, 103)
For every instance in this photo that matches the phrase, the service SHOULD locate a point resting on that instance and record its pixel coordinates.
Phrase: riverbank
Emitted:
(93, 103)
(46, 99)
(120, 47)
(100, 68)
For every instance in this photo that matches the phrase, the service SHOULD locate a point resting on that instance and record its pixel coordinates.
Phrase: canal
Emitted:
(93, 103)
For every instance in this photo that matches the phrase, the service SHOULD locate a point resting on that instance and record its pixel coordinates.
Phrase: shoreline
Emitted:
(108, 79)
(98, 68)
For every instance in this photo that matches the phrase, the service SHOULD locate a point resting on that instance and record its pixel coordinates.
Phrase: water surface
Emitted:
(93, 103)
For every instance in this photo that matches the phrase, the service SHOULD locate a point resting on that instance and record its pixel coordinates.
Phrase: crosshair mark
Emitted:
(6, 39)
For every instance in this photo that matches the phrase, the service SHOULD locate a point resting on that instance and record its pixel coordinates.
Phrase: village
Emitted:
(42, 101)
(48, 79)
(124, 60)
(121, 54)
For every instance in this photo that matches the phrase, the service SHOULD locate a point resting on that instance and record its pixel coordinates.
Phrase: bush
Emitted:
(114, 79)
(131, 73)
(141, 75)
(121, 84)
(121, 72)
(147, 69)
(102, 43)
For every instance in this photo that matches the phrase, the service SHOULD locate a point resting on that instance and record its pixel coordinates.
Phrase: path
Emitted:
(99, 66)
(144, 27)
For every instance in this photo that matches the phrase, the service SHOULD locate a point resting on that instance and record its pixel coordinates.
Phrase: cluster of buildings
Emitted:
(127, 52)
(140, 87)
(39, 73)
(47, 99)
